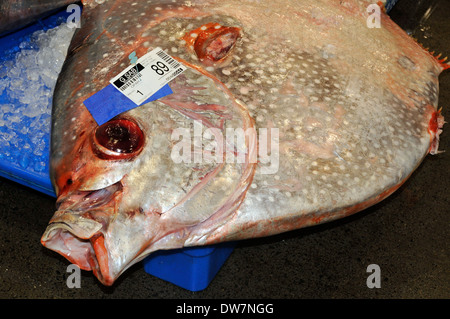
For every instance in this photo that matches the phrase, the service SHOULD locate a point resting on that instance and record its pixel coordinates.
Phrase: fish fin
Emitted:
(444, 65)
(382, 6)
(435, 129)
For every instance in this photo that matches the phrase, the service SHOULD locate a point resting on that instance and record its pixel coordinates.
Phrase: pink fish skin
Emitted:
(349, 110)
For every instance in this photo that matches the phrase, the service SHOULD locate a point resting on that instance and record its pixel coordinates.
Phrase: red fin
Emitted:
(435, 129)
(381, 5)
(437, 58)
(442, 62)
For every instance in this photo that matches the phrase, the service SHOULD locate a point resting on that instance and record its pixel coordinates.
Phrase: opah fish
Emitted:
(353, 108)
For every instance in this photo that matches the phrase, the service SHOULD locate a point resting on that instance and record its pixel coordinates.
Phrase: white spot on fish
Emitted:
(244, 90)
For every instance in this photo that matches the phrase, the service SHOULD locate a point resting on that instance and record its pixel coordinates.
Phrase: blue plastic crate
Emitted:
(190, 268)
(16, 163)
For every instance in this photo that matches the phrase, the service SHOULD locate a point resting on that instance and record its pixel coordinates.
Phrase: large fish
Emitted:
(342, 112)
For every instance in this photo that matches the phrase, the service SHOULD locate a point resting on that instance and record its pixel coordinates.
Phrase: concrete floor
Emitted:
(407, 235)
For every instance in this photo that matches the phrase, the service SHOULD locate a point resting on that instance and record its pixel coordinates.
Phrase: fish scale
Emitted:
(351, 109)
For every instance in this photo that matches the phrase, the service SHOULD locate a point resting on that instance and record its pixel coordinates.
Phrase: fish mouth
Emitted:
(77, 231)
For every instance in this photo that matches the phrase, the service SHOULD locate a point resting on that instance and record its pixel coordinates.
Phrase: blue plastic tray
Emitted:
(189, 268)
(16, 163)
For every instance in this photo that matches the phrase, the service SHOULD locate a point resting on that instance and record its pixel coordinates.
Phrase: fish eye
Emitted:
(118, 139)
(215, 43)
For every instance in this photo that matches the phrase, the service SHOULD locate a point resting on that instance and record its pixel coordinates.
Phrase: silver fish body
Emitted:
(338, 114)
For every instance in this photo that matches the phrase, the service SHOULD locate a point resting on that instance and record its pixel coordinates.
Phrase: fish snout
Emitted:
(78, 228)
(81, 241)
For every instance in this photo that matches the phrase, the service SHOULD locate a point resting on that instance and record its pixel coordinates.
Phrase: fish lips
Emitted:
(77, 230)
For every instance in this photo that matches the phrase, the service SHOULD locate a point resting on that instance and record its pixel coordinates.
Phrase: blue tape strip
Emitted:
(110, 102)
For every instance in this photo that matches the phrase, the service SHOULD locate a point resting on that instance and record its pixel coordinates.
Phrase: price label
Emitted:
(150, 73)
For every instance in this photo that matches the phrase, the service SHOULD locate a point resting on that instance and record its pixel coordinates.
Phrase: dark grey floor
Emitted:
(407, 235)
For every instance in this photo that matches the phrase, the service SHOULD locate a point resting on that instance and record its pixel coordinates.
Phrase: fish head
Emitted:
(152, 176)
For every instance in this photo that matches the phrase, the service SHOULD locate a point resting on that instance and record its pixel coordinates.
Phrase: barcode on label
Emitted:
(167, 58)
(175, 74)
(130, 81)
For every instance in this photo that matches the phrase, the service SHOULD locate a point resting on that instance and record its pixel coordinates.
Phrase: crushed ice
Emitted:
(27, 81)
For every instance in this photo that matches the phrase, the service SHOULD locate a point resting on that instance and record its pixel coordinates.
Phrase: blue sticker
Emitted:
(110, 102)
(146, 80)
(133, 58)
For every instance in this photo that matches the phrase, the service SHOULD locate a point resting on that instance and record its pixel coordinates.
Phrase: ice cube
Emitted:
(29, 77)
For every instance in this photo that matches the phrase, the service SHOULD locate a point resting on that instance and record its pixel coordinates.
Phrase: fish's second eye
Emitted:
(217, 44)
(118, 139)
(212, 42)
